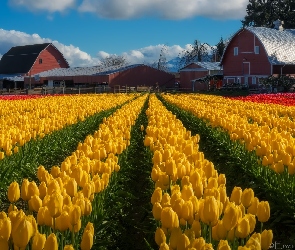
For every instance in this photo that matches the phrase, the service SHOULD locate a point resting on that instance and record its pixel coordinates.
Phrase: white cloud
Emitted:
(79, 58)
(128, 9)
(166, 9)
(74, 56)
(44, 5)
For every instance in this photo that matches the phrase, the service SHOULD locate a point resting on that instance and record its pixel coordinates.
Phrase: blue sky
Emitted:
(87, 30)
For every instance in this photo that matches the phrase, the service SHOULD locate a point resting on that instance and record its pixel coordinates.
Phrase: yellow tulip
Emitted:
(254, 241)
(31, 219)
(38, 241)
(88, 207)
(157, 209)
(53, 186)
(252, 221)
(247, 197)
(187, 192)
(55, 171)
(183, 242)
(33, 189)
(41, 216)
(51, 242)
(169, 218)
(243, 228)
(35, 203)
(236, 195)
(263, 211)
(75, 215)
(87, 240)
(223, 245)
(62, 223)
(55, 204)
(266, 239)
(160, 236)
(199, 243)
(253, 207)
(5, 228)
(22, 233)
(13, 192)
(25, 189)
(42, 190)
(157, 195)
(230, 218)
(210, 211)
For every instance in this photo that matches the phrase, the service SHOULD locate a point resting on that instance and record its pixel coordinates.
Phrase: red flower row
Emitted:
(22, 97)
(287, 99)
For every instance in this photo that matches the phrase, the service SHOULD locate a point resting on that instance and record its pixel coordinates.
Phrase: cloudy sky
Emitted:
(87, 30)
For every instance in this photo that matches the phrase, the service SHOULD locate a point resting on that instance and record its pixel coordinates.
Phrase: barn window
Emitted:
(58, 61)
(40, 61)
(236, 51)
(256, 50)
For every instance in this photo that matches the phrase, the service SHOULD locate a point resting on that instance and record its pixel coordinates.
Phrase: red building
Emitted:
(197, 70)
(31, 59)
(130, 76)
(258, 52)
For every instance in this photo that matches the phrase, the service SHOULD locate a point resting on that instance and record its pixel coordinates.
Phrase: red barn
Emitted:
(197, 70)
(132, 76)
(31, 59)
(258, 52)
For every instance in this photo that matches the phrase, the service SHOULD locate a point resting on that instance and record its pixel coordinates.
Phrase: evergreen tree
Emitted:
(262, 13)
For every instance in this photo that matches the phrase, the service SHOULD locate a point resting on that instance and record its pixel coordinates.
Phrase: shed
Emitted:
(198, 70)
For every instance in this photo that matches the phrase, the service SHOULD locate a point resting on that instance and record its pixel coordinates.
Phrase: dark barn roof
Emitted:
(20, 59)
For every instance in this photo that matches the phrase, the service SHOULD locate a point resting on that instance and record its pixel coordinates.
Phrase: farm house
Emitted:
(197, 70)
(130, 76)
(258, 52)
(29, 60)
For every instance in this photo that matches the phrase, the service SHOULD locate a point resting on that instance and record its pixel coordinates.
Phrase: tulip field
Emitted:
(147, 171)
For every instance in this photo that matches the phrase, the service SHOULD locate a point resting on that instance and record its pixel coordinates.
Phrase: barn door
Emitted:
(246, 68)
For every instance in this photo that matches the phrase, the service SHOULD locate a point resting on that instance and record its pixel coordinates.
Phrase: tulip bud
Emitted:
(75, 214)
(71, 187)
(157, 209)
(266, 239)
(243, 228)
(53, 186)
(210, 211)
(263, 211)
(55, 171)
(196, 227)
(35, 203)
(183, 242)
(55, 204)
(247, 197)
(51, 243)
(33, 189)
(38, 241)
(25, 189)
(253, 207)
(230, 218)
(5, 228)
(13, 192)
(42, 190)
(236, 195)
(223, 245)
(157, 195)
(22, 233)
(62, 223)
(199, 243)
(160, 236)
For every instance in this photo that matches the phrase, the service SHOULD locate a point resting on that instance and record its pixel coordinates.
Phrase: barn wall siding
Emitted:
(51, 59)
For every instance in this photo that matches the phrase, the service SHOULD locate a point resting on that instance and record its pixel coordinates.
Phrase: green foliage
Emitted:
(262, 13)
(283, 82)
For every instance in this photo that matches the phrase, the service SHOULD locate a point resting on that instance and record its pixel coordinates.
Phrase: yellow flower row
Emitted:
(65, 194)
(21, 120)
(267, 130)
(190, 195)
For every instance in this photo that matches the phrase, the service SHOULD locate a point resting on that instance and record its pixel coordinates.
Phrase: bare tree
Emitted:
(113, 61)
(199, 52)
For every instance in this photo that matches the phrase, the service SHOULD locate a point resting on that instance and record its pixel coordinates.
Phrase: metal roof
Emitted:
(85, 71)
(207, 65)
